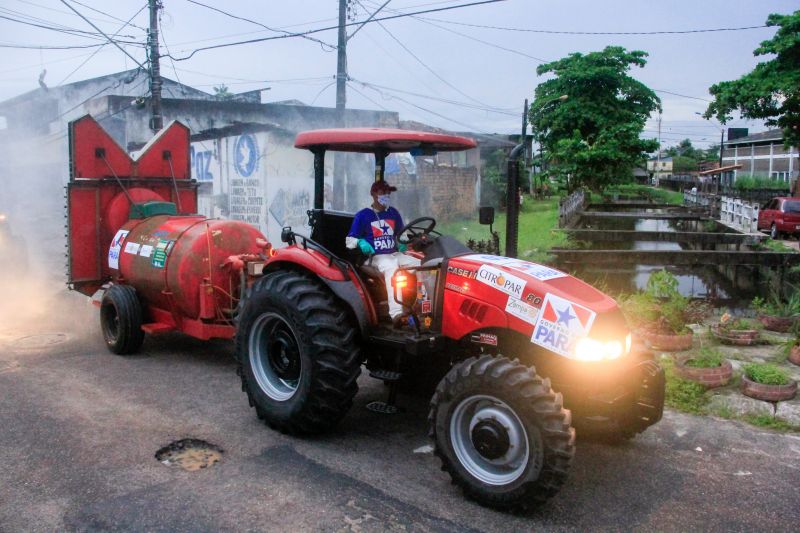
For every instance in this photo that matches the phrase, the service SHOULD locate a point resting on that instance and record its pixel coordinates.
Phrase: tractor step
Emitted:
(385, 375)
(154, 328)
(383, 408)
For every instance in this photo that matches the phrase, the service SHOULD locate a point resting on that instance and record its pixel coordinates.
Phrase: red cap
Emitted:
(381, 187)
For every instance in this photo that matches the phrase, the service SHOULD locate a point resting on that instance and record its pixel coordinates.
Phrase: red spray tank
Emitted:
(132, 222)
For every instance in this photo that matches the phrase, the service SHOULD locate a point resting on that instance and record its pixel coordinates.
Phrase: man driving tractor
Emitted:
(373, 232)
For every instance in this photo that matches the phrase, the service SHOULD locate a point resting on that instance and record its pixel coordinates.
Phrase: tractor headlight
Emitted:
(588, 349)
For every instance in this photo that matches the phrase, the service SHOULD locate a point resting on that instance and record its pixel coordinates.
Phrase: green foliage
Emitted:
(771, 91)
(538, 223)
(777, 306)
(706, 357)
(746, 183)
(766, 374)
(593, 135)
(494, 178)
(683, 164)
(661, 307)
(221, 92)
(681, 394)
(653, 194)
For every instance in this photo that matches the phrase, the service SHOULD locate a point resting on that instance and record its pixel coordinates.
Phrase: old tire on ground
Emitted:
(121, 320)
(297, 353)
(501, 432)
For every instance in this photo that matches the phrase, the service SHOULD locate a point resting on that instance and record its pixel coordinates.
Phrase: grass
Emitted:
(706, 357)
(538, 223)
(681, 394)
(773, 246)
(766, 374)
(759, 420)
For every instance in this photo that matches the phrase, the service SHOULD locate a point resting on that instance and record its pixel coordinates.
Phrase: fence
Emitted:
(569, 208)
(739, 213)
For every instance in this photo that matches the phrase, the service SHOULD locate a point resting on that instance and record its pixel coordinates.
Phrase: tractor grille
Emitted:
(473, 310)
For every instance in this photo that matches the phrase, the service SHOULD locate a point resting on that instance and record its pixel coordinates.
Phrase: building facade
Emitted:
(761, 155)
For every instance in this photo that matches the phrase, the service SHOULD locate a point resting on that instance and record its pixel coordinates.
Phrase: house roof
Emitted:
(717, 170)
(663, 159)
(763, 136)
(171, 88)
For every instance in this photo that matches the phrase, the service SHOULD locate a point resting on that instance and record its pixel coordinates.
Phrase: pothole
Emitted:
(190, 454)
(40, 340)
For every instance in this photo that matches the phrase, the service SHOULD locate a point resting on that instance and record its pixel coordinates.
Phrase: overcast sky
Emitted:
(448, 69)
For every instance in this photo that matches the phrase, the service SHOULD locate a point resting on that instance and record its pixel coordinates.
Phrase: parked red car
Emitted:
(780, 216)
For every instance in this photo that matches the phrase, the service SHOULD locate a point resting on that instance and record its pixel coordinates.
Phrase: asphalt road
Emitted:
(79, 428)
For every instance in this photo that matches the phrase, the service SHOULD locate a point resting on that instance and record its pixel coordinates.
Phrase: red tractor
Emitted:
(513, 344)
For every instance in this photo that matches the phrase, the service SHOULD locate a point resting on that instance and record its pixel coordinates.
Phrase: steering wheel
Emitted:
(417, 230)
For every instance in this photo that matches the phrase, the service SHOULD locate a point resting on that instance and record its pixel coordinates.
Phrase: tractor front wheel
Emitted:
(297, 353)
(121, 320)
(501, 432)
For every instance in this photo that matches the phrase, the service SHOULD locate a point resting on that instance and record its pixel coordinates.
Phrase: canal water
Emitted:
(705, 282)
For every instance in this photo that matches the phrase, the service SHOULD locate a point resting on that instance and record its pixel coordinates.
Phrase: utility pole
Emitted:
(658, 153)
(156, 120)
(339, 160)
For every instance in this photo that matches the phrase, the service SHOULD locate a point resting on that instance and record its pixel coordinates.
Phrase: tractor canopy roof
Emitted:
(370, 140)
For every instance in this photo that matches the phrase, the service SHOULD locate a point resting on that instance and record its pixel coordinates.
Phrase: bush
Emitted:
(757, 182)
(660, 306)
(777, 306)
(766, 374)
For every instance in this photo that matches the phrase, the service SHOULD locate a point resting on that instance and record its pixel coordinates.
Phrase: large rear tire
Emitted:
(297, 353)
(121, 320)
(501, 432)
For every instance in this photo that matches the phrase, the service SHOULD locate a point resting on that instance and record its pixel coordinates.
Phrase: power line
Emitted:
(68, 31)
(38, 47)
(72, 14)
(101, 46)
(682, 95)
(127, 23)
(429, 69)
(286, 33)
(470, 37)
(565, 32)
(328, 28)
(443, 100)
(112, 41)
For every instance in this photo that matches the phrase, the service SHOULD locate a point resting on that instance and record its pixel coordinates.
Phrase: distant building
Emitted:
(659, 168)
(760, 155)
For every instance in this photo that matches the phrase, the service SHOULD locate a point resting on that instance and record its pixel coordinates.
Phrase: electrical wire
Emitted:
(443, 100)
(429, 69)
(471, 38)
(212, 8)
(564, 32)
(68, 31)
(125, 23)
(328, 28)
(34, 4)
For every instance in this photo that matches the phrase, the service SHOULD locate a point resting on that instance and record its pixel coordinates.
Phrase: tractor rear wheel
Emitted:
(297, 353)
(121, 320)
(501, 432)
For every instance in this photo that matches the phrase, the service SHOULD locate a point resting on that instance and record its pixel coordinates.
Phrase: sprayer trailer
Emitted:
(521, 352)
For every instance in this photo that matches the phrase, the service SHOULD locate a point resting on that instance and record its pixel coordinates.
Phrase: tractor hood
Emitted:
(555, 310)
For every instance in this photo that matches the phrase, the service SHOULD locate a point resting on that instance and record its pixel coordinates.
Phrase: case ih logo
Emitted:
(560, 324)
(461, 272)
(503, 281)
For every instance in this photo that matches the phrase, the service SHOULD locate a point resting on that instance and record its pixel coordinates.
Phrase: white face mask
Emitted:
(383, 199)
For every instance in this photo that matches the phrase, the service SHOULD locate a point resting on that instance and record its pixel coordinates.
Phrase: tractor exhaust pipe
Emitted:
(512, 201)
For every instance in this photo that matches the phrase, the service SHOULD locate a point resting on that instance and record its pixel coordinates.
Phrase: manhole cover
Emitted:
(42, 340)
(190, 454)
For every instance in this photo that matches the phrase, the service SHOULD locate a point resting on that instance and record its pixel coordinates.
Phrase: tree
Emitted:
(593, 135)
(223, 93)
(771, 91)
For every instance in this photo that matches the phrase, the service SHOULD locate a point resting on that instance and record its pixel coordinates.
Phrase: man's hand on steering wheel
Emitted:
(416, 232)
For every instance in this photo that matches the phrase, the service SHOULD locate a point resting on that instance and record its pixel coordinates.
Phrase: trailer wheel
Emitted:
(121, 320)
(501, 432)
(297, 353)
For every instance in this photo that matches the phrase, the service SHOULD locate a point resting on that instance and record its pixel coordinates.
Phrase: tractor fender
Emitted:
(348, 290)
